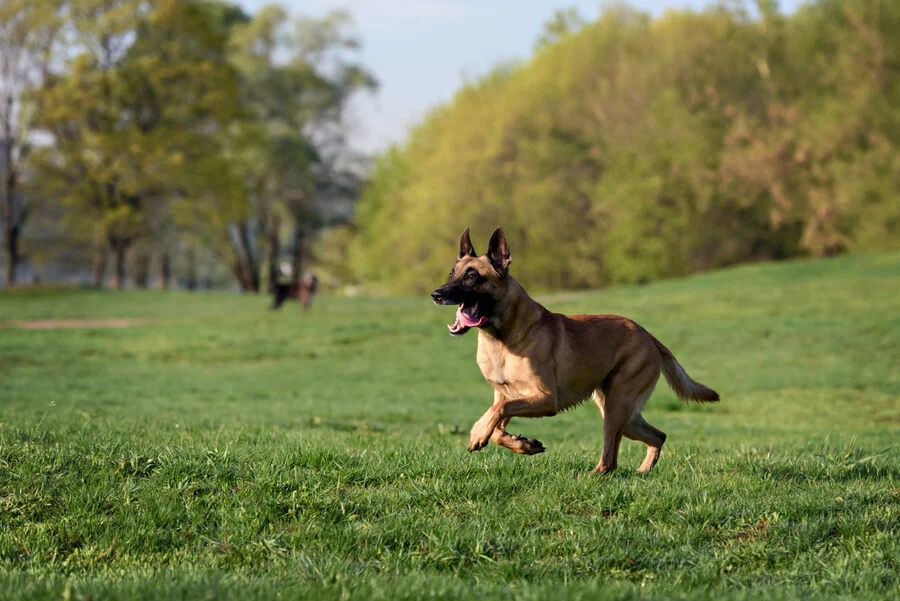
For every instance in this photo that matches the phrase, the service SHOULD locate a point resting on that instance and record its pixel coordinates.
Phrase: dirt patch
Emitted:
(60, 324)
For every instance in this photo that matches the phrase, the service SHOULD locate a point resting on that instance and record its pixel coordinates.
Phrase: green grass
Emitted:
(219, 450)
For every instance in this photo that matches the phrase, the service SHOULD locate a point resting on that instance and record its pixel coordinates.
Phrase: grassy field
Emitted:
(214, 450)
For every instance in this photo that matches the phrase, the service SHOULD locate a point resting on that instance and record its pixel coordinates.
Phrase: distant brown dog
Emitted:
(304, 291)
(541, 363)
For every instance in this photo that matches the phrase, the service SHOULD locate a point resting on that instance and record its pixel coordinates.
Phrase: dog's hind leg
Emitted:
(622, 400)
(615, 421)
(639, 429)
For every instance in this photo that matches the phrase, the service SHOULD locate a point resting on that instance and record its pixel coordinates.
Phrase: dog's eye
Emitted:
(471, 275)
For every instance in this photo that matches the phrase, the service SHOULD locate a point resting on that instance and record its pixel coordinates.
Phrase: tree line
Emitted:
(173, 129)
(636, 147)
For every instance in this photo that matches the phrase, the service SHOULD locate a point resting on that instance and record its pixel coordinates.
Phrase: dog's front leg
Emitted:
(515, 443)
(537, 406)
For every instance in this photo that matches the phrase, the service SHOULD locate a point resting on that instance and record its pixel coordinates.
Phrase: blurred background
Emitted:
(201, 144)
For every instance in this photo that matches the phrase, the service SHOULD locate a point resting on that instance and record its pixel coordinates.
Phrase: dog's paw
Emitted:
(529, 446)
(479, 437)
(478, 441)
(483, 429)
(476, 445)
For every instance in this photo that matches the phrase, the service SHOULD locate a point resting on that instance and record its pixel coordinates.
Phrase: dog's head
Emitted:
(476, 283)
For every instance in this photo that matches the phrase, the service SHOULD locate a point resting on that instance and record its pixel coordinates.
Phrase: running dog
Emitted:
(540, 363)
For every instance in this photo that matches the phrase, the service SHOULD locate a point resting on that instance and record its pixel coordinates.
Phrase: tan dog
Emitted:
(541, 363)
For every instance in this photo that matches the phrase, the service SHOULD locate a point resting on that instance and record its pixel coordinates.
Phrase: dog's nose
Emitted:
(437, 296)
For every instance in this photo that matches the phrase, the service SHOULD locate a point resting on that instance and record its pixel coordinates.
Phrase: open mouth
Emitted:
(467, 316)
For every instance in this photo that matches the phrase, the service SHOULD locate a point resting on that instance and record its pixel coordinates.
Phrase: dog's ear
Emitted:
(498, 252)
(465, 246)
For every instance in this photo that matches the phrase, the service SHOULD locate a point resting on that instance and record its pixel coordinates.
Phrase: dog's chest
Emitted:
(493, 368)
(505, 372)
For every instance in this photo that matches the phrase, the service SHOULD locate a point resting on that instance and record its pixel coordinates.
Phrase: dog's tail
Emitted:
(684, 386)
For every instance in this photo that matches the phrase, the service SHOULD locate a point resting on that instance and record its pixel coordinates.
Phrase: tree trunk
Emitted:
(99, 267)
(191, 259)
(142, 269)
(298, 255)
(244, 267)
(248, 263)
(246, 275)
(274, 251)
(165, 271)
(119, 275)
(11, 219)
(12, 253)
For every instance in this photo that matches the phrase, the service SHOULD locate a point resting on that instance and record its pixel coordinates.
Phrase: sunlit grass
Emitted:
(219, 450)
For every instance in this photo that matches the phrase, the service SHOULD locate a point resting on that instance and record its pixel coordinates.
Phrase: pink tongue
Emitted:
(467, 320)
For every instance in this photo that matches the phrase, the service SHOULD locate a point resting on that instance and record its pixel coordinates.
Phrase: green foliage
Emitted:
(637, 148)
(216, 450)
(563, 23)
(294, 83)
(28, 33)
(136, 114)
(187, 124)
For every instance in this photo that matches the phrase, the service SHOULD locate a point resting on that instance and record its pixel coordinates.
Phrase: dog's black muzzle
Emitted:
(451, 294)
(440, 296)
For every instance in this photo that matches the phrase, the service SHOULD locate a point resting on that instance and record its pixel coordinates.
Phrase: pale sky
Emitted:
(421, 51)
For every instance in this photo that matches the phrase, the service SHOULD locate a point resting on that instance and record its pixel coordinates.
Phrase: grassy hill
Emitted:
(213, 449)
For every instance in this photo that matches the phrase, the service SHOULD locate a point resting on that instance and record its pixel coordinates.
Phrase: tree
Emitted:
(27, 33)
(136, 117)
(288, 152)
(564, 22)
(635, 148)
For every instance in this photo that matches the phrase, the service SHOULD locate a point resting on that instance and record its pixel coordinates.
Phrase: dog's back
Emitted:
(282, 292)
